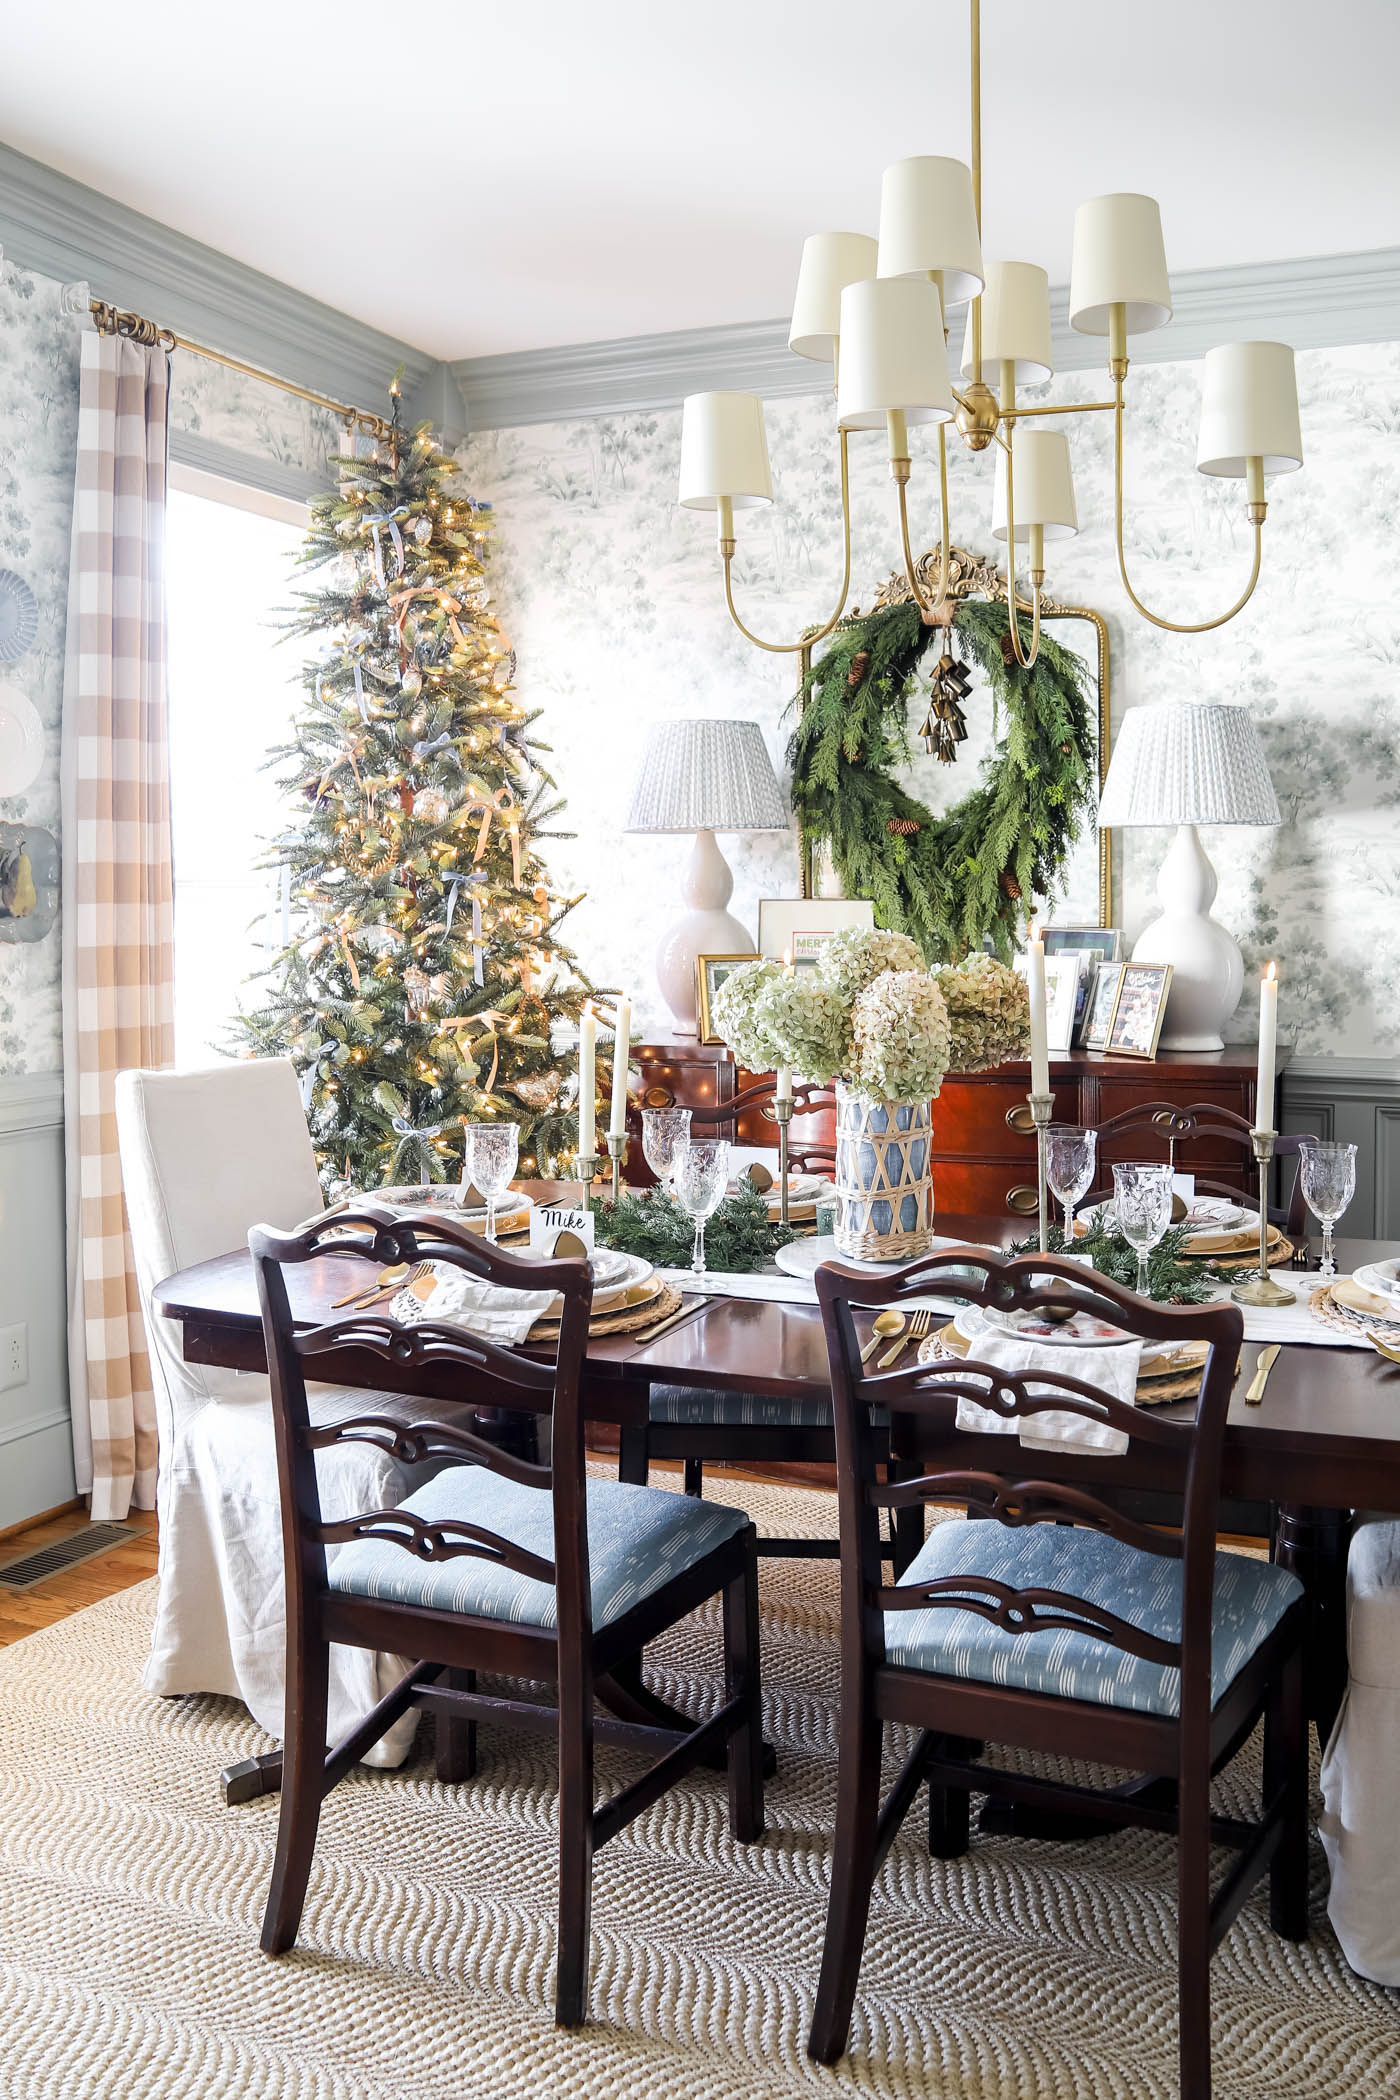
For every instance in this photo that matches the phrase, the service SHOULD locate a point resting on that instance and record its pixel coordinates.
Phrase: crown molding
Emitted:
(63, 229)
(1317, 303)
(30, 1101)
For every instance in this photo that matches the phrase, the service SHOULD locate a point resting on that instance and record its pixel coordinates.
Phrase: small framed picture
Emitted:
(1062, 976)
(800, 927)
(1138, 1009)
(1097, 944)
(1098, 1011)
(710, 973)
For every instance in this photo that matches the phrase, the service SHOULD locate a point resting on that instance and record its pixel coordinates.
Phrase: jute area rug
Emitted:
(130, 1902)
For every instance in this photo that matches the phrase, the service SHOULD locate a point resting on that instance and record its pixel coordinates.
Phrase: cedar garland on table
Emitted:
(738, 1237)
(954, 880)
(1172, 1277)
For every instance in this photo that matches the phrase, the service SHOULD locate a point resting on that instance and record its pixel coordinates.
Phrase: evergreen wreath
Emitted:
(949, 881)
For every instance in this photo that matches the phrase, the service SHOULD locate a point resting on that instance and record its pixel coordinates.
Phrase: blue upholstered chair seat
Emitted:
(639, 1539)
(1251, 1596)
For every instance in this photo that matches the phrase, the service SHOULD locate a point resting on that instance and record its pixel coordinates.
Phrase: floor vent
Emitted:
(88, 1544)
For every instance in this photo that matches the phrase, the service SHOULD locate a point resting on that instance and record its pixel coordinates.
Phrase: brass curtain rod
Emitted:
(110, 320)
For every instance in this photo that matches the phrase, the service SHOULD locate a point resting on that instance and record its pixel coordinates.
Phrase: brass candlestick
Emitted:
(616, 1142)
(782, 1115)
(1261, 1289)
(1042, 1109)
(587, 1164)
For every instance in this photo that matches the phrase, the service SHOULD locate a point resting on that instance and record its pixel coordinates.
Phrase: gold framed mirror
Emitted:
(1088, 893)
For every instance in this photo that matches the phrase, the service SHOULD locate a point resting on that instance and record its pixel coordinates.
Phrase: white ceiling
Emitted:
(501, 177)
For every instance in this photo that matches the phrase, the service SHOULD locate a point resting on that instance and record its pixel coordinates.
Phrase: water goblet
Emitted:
(1070, 1154)
(662, 1130)
(1142, 1200)
(1329, 1182)
(492, 1151)
(701, 1171)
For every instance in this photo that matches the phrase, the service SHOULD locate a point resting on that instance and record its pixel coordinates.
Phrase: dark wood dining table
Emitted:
(1324, 1440)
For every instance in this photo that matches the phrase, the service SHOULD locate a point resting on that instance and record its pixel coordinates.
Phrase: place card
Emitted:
(549, 1220)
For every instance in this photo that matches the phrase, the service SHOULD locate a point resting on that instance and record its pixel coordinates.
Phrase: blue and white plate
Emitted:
(19, 616)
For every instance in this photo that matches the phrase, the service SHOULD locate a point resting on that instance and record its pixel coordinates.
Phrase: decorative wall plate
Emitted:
(28, 882)
(19, 616)
(21, 741)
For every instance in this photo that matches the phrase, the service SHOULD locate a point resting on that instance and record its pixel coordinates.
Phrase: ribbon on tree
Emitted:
(413, 1138)
(311, 1075)
(360, 690)
(455, 884)
(380, 519)
(437, 744)
(487, 807)
(490, 1019)
(400, 602)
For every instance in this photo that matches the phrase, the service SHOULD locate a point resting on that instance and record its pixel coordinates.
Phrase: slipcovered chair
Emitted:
(1360, 1821)
(206, 1155)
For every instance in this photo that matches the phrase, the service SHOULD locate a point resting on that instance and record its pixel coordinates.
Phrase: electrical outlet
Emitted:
(14, 1356)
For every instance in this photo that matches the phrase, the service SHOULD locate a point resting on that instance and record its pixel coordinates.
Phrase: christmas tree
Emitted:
(427, 971)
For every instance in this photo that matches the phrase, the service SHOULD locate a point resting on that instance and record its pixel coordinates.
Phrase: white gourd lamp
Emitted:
(704, 776)
(1188, 763)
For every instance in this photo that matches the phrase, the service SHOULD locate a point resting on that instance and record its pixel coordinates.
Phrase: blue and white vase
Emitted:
(884, 1177)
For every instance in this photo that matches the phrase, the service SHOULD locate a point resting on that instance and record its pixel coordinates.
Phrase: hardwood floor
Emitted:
(25, 1611)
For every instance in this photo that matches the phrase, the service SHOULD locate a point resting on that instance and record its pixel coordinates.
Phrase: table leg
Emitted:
(1312, 1543)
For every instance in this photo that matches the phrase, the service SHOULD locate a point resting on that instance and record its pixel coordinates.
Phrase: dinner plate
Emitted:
(805, 1257)
(1382, 1277)
(21, 741)
(1082, 1331)
(630, 1280)
(19, 617)
(1370, 1304)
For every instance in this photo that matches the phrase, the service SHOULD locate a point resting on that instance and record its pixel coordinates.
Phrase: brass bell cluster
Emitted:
(944, 725)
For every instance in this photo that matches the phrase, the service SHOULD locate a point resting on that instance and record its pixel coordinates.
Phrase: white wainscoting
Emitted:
(36, 1444)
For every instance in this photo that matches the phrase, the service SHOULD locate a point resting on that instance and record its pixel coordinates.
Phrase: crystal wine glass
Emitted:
(1142, 1198)
(662, 1130)
(701, 1171)
(1329, 1183)
(1070, 1154)
(492, 1152)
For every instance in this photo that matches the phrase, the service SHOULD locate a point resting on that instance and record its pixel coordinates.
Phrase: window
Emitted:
(234, 690)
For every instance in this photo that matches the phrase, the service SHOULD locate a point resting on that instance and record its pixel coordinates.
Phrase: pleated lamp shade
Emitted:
(1015, 323)
(1044, 487)
(830, 261)
(707, 776)
(724, 452)
(928, 222)
(1188, 762)
(893, 354)
(1118, 258)
(1249, 409)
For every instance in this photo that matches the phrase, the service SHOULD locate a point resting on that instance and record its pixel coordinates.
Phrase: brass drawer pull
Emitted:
(1019, 1119)
(658, 1097)
(1023, 1200)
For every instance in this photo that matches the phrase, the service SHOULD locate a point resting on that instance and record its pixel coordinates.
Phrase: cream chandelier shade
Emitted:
(1044, 487)
(878, 309)
(1188, 762)
(830, 261)
(707, 776)
(1015, 323)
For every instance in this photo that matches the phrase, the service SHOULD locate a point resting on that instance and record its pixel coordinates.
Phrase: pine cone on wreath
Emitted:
(1008, 885)
(860, 664)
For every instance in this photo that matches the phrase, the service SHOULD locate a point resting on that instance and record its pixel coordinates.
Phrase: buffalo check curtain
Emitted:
(118, 920)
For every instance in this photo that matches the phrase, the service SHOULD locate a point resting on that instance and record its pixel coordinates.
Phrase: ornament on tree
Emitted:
(389, 728)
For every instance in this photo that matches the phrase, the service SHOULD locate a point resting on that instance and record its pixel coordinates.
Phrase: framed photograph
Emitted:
(710, 973)
(1062, 975)
(1098, 1013)
(1138, 1009)
(1097, 944)
(801, 926)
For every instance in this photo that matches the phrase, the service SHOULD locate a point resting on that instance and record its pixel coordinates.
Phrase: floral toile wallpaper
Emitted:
(38, 435)
(612, 597)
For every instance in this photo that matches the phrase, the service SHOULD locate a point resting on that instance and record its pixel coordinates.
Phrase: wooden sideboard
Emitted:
(980, 1164)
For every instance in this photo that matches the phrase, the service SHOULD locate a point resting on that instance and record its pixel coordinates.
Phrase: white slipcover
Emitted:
(205, 1156)
(1360, 1822)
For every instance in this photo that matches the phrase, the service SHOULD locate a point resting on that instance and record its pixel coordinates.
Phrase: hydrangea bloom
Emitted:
(850, 961)
(988, 1011)
(771, 1018)
(900, 1033)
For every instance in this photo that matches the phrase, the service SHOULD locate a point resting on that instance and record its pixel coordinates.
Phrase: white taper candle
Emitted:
(1040, 1052)
(1268, 1049)
(622, 1047)
(587, 1081)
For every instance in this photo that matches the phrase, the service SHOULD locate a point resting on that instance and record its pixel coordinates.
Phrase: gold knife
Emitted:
(682, 1312)
(1267, 1359)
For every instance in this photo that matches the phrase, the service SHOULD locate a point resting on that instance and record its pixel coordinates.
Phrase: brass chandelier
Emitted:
(877, 311)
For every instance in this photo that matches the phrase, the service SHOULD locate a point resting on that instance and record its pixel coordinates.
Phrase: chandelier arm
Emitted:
(928, 607)
(1027, 663)
(1256, 512)
(1056, 408)
(809, 639)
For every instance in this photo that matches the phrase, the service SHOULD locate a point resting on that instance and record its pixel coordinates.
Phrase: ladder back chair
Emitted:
(497, 1563)
(1206, 1119)
(697, 1426)
(1063, 1625)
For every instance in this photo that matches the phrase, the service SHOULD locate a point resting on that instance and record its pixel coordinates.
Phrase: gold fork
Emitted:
(380, 1291)
(920, 1324)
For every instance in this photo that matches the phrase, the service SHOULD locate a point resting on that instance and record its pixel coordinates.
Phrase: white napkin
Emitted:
(487, 1309)
(1114, 1368)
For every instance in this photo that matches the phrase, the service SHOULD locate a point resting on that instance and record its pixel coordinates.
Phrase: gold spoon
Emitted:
(1383, 1348)
(383, 1282)
(887, 1325)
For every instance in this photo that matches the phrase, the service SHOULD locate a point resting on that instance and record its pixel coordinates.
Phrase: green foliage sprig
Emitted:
(738, 1238)
(958, 878)
(1171, 1278)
